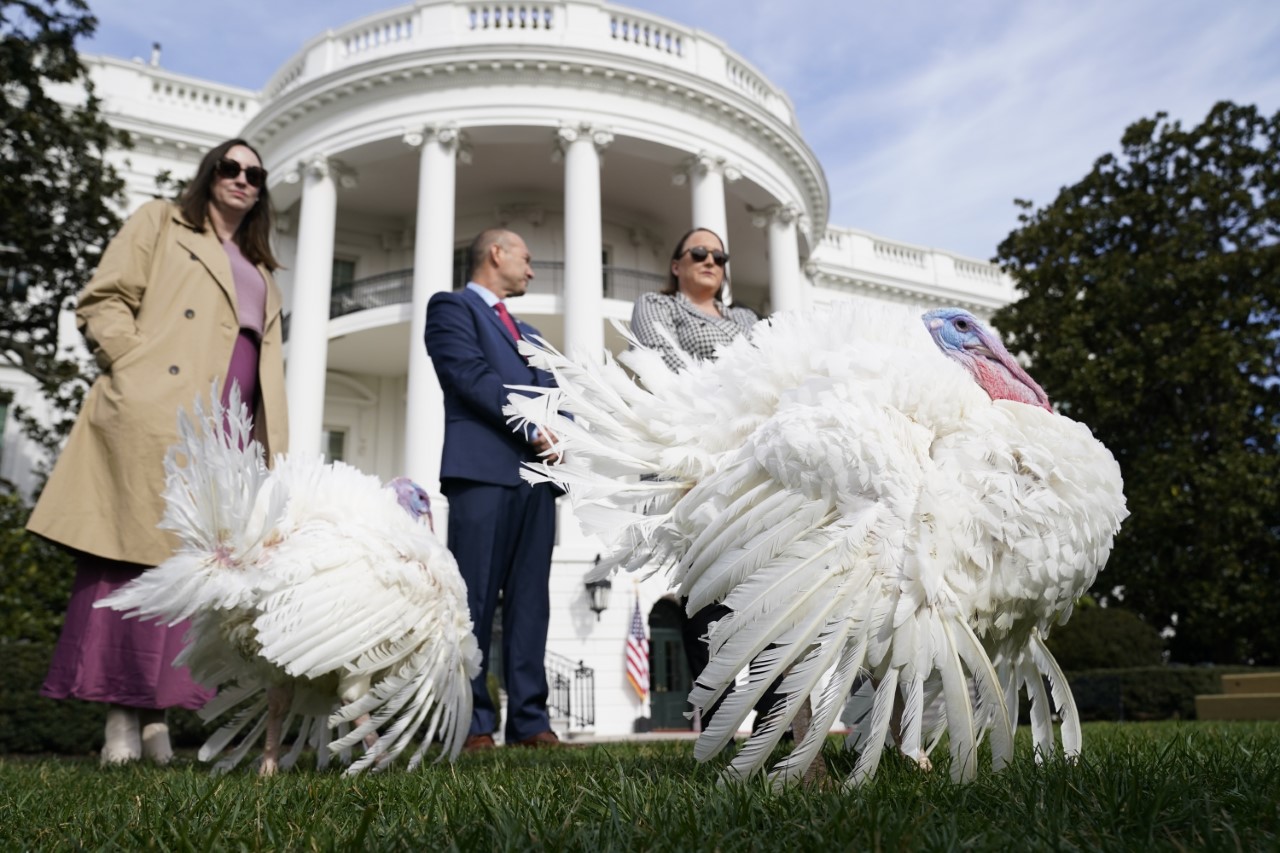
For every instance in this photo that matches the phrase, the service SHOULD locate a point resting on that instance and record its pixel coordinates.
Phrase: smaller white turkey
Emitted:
(865, 500)
(320, 600)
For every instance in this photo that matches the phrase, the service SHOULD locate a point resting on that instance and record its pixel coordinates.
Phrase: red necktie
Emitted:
(505, 317)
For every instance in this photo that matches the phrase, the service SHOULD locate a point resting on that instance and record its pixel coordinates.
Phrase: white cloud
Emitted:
(973, 124)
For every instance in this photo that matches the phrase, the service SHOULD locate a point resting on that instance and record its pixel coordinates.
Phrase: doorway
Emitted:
(670, 681)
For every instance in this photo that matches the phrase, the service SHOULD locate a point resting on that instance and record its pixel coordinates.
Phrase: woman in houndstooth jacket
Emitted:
(690, 308)
(696, 323)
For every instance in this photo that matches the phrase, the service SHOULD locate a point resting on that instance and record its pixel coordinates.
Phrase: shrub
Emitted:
(1105, 638)
(1145, 693)
(31, 723)
(36, 582)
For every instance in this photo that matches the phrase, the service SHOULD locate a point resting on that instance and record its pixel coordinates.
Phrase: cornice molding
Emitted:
(732, 110)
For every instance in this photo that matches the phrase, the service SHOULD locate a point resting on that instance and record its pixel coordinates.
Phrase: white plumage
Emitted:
(862, 505)
(316, 597)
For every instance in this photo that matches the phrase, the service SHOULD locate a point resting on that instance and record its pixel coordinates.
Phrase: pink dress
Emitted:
(103, 657)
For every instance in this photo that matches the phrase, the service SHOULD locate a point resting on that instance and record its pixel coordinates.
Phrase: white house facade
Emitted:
(598, 133)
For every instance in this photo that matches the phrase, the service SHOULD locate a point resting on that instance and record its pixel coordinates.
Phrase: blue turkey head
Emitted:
(414, 499)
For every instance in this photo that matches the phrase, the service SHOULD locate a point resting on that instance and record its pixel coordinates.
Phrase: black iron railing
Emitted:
(396, 288)
(571, 691)
(388, 288)
(627, 284)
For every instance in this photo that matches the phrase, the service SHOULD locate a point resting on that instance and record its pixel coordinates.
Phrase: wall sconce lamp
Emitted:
(598, 595)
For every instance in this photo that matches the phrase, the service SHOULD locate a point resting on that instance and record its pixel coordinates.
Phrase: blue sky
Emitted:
(929, 117)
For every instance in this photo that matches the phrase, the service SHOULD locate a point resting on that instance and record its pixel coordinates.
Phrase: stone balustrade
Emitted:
(851, 260)
(583, 25)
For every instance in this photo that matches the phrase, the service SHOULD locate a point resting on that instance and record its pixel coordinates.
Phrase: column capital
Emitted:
(785, 214)
(449, 136)
(705, 163)
(319, 165)
(805, 226)
(567, 134)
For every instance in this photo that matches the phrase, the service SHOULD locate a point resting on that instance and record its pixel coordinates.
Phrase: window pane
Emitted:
(344, 272)
(333, 442)
(460, 268)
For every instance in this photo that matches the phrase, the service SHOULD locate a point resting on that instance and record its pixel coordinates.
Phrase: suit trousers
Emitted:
(502, 537)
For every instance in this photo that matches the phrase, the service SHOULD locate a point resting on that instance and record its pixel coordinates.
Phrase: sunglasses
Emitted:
(254, 176)
(699, 254)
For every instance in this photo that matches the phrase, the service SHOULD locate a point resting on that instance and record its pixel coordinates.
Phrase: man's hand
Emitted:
(544, 444)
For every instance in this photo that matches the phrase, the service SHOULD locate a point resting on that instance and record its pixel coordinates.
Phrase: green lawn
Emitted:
(1152, 786)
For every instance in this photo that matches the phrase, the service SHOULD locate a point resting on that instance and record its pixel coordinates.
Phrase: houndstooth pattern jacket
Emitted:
(698, 334)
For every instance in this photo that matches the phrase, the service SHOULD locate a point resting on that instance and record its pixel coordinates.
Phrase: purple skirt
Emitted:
(103, 657)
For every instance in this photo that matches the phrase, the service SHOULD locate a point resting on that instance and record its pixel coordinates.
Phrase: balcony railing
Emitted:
(388, 288)
(396, 288)
(571, 691)
(574, 26)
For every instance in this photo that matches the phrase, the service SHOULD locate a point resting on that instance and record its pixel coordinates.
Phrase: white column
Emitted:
(707, 190)
(786, 285)
(707, 176)
(583, 275)
(309, 317)
(432, 273)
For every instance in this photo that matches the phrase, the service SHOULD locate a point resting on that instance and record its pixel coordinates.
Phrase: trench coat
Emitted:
(159, 316)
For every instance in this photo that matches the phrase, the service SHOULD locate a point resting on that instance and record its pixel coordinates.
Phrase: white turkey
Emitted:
(318, 598)
(868, 495)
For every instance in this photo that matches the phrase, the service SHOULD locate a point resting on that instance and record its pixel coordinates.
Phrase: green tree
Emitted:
(56, 195)
(1149, 312)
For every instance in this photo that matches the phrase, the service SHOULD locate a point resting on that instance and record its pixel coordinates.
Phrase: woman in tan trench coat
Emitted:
(183, 296)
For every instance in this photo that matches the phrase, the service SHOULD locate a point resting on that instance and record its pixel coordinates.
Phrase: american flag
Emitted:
(638, 654)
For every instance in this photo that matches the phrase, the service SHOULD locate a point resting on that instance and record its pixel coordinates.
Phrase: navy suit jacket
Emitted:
(475, 358)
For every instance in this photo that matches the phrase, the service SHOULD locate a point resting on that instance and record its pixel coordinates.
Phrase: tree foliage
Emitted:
(56, 194)
(1149, 311)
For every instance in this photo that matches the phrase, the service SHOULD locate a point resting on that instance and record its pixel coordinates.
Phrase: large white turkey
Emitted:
(867, 494)
(318, 598)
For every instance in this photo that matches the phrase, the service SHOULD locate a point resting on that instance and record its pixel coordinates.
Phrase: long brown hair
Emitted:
(254, 234)
(673, 283)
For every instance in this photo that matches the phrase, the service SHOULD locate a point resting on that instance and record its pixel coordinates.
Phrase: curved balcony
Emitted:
(587, 26)
(396, 288)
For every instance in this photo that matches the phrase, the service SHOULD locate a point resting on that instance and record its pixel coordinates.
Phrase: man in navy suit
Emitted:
(501, 529)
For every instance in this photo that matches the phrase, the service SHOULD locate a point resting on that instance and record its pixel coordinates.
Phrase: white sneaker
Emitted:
(124, 740)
